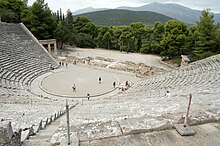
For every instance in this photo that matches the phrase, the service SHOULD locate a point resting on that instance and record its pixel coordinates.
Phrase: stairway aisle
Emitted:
(42, 138)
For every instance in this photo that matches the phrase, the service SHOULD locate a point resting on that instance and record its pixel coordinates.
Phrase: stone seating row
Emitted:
(30, 114)
(21, 59)
(25, 132)
(28, 55)
(13, 29)
(197, 74)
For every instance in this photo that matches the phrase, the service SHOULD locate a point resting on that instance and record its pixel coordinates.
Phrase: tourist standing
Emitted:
(168, 96)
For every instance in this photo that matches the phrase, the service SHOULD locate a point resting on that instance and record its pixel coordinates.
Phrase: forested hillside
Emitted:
(175, 11)
(116, 17)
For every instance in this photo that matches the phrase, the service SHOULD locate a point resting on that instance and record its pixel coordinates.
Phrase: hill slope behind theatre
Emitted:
(115, 17)
(88, 10)
(176, 11)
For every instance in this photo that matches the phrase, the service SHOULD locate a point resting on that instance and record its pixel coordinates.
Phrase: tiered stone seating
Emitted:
(191, 79)
(21, 60)
(28, 114)
(143, 104)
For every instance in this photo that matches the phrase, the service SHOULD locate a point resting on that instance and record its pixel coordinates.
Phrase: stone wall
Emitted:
(8, 137)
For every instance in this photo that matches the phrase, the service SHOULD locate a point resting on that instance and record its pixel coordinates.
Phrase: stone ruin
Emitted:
(10, 137)
(138, 69)
(184, 61)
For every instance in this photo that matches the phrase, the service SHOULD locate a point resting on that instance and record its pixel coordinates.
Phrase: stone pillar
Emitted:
(55, 48)
(49, 49)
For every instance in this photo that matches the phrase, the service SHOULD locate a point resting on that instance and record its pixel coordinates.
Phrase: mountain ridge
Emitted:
(176, 11)
(116, 17)
(88, 10)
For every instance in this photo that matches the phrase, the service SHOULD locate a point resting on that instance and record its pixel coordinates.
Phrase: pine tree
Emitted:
(205, 43)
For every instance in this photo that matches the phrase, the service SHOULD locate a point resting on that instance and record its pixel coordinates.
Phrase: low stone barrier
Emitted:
(15, 138)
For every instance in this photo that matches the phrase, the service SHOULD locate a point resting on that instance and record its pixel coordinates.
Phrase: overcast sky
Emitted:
(74, 5)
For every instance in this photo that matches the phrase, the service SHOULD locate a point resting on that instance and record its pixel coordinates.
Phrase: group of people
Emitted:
(126, 84)
(74, 89)
(62, 63)
(51, 67)
(88, 95)
(100, 81)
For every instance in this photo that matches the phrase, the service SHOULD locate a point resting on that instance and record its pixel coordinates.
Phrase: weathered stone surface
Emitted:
(163, 138)
(201, 117)
(25, 135)
(41, 125)
(37, 127)
(55, 139)
(184, 131)
(4, 139)
(32, 130)
(74, 140)
(6, 134)
(16, 139)
(97, 130)
(143, 124)
(44, 124)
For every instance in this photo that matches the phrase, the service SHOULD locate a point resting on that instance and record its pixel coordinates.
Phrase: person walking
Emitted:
(88, 96)
(100, 80)
(114, 84)
(126, 83)
(74, 87)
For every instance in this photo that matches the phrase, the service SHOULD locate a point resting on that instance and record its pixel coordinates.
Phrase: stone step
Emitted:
(42, 138)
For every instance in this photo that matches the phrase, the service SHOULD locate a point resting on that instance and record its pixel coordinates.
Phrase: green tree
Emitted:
(101, 30)
(61, 33)
(138, 31)
(69, 20)
(39, 20)
(107, 39)
(156, 37)
(79, 23)
(117, 31)
(127, 40)
(217, 39)
(147, 40)
(174, 38)
(206, 35)
(11, 10)
(86, 32)
(190, 41)
(89, 29)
